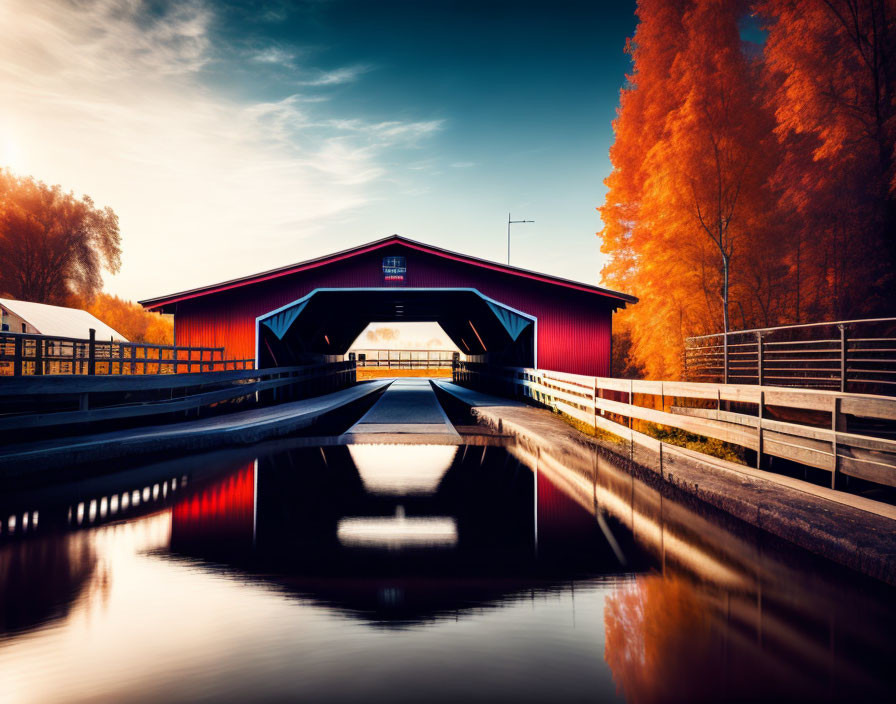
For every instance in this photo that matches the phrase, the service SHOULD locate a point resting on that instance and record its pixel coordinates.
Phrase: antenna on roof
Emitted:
(509, 223)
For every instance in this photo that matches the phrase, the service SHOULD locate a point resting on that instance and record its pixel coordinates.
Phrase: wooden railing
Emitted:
(24, 354)
(846, 355)
(840, 433)
(29, 402)
(403, 359)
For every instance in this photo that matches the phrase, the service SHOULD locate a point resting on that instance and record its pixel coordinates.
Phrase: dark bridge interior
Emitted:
(326, 322)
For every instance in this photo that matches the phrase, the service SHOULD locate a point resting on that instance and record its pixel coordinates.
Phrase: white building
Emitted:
(53, 321)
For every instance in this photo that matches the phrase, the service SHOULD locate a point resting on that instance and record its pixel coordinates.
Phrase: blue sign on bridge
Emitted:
(394, 268)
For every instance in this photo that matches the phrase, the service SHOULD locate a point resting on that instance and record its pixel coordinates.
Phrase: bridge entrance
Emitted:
(323, 324)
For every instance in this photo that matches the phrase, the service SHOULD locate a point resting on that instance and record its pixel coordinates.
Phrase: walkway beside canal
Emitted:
(409, 407)
(240, 428)
(852, 530)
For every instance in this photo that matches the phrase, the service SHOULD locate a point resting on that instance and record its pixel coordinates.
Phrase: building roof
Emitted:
(57, 321)
(159, 301)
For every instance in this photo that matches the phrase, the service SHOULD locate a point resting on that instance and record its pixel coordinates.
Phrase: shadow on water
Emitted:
(669, 599)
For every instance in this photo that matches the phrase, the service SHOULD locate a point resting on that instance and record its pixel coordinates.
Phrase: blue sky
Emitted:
(233, 137)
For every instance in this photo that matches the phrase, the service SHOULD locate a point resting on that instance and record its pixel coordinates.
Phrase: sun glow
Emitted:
(11, 153)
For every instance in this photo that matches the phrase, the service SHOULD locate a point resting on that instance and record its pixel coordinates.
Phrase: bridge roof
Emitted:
(160, 301)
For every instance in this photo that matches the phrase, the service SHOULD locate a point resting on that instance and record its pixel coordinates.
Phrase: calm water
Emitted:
(416, 573)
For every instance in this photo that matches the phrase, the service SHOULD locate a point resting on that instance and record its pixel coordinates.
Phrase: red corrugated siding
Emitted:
(573, 326)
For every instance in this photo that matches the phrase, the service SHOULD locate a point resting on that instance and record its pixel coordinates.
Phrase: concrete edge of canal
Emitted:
(850, 530)
(233, 429)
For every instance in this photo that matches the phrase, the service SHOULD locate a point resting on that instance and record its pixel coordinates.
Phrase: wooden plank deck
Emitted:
(409, 407)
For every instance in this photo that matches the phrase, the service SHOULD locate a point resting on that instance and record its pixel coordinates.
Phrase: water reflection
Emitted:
(354, 529)
(220, 512)
(41, 579)
(418, 573)
(414, 469)
(729, 613)
(397, 532)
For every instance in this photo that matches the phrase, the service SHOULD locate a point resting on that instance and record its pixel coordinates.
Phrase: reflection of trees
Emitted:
(659, 643)
(41, 578)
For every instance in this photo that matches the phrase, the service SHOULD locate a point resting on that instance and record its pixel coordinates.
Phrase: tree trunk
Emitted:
(725, 263)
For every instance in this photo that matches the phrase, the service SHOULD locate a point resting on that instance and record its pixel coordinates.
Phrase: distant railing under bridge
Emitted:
(23, 354)
(845, 355)
(403, 359)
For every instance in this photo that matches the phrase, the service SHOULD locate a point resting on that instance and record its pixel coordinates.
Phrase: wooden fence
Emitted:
(30, 402)
(24, 354)
(846, 355)
(404, 359)
(840, 433)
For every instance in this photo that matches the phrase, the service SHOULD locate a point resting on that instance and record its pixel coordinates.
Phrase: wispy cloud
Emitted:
(108, 97)
(273, 55)
(462, 165)
(347, 74)
(389, 133)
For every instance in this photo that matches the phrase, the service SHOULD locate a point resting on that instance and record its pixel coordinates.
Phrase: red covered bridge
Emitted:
(313, 311)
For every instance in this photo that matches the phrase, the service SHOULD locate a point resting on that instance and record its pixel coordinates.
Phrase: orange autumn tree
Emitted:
(752, 185)
(687, 202)
(832, 86)
(640, 121)
(712, 166)
(53, 244)
(130, 319)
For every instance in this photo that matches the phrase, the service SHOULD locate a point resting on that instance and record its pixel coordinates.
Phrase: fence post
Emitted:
(760, 414)
(842, 358)
(725, 360)
(759, 357)
(91, 353)
(835, 418)
(594, 405)
(17, 357)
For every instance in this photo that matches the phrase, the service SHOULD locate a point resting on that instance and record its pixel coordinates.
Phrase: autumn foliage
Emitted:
(130, 319)
(660, 644)
(753, 183)
(52, 244)
(54, 248)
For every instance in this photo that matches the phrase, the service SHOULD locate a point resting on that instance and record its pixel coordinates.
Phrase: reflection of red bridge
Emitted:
(560, 517)
(223, 509)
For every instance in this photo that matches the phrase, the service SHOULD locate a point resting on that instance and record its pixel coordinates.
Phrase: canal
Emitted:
(301, 571)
